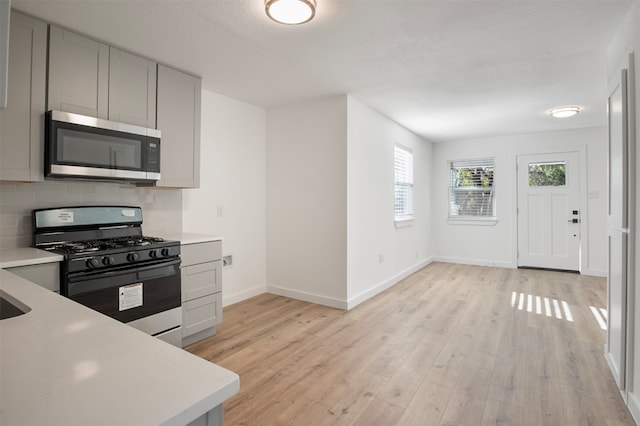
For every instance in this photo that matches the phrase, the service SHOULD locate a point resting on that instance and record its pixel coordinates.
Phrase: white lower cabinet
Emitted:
(201, 274)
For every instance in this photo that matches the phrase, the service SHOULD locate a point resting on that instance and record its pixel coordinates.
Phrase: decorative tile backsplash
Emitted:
(161, 208)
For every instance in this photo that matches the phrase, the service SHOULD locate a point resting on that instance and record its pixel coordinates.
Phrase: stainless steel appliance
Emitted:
(111, 267)
(81, 147)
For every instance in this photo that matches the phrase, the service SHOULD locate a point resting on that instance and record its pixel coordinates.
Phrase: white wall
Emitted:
(232, 176)
(371, 232)
(627, 41)
(307, 201)
(497, 245)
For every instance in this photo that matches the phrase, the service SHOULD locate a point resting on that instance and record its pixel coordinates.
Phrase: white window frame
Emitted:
(470, 219)
(403, 183)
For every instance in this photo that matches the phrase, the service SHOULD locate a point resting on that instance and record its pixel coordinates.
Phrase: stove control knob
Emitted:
(153, 254)
(165, 252)
(108, 260)
(132, 257)
(92, 263)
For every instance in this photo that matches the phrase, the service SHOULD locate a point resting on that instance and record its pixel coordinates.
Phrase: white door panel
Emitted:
(616, 350)
(536, 221)
(548, 196)
(560, 228)
(617, 302)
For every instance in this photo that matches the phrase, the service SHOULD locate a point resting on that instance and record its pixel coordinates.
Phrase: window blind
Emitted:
(403, 165)
(471, 189)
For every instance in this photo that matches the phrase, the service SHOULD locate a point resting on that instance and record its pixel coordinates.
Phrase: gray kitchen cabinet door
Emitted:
(132, 89)
(178, 119)
(22, 121)
(46, 275)
(78, 74)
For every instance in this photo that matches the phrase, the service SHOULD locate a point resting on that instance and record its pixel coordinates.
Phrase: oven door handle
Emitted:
(84, 276)
(157, 265)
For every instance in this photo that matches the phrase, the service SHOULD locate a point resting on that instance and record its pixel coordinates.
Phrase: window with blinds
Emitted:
(403, 165)
(471, 190)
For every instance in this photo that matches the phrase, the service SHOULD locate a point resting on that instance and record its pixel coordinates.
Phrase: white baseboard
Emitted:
(243, 295)
(594, 272)
(307, 297)
(613, 368)
(633, 403)
(368, 294)
(476, 262)
(351, 303)
(483, 262)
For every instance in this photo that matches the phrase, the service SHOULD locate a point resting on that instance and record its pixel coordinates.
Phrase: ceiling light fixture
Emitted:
(564, 112)
(290, 12)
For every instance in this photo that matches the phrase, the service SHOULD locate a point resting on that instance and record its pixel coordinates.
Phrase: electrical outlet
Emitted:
(227, 261)
(219, 210)
(381, 258)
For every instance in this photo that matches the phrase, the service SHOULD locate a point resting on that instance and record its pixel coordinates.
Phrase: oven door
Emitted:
(129, 293)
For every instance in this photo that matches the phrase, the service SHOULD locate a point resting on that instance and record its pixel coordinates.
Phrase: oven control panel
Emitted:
(99, 261)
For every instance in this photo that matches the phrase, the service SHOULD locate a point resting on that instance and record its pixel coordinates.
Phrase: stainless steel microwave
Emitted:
(89, 148)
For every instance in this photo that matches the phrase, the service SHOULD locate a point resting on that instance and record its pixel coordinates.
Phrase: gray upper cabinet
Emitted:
(22, 122)
(90, 78)
(132, 89)
(178, 119)
(78, 74)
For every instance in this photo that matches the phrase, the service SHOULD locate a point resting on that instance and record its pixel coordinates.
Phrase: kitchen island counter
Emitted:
(62, 363)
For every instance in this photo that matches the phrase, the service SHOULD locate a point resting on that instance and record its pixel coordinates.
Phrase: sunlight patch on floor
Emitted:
(541, 306)
(600, 314)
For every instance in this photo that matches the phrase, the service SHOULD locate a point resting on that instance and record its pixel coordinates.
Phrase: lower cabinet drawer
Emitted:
(201, 280)
(192, 254)
(200, 314)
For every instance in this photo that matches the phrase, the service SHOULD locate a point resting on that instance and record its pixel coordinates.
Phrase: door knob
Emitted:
(573, 220)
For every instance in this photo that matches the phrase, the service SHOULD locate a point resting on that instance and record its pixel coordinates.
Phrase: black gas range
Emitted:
(92, 255)
(111, 267)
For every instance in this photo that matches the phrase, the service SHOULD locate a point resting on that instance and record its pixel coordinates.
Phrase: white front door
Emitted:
(549, 210)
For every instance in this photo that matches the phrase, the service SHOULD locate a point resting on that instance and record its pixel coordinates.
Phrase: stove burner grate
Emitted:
(79, 247)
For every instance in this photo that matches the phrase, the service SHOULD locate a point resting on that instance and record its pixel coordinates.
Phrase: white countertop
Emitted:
(24, 256)
(191, 238)
(65, 364)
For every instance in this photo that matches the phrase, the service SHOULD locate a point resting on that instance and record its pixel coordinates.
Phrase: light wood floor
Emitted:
(449, 345)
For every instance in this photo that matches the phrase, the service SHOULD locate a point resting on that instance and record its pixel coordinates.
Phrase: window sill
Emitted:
(472, 221)
(403, 222)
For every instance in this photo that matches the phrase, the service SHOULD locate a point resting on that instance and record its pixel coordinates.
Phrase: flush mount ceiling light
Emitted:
(290, 12)
(564, 112)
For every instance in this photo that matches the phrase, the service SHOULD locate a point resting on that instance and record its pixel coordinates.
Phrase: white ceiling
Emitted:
(447, 70)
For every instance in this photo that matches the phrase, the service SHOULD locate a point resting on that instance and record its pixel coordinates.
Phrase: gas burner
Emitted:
(151, 240)
(134, 241)
(72, 247)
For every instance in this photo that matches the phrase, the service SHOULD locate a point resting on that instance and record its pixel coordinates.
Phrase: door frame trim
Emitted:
(583, 203)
